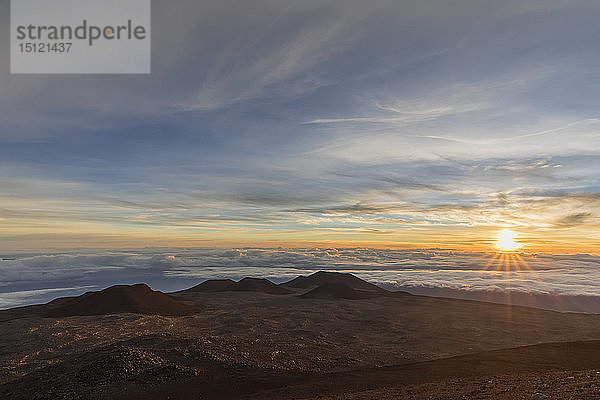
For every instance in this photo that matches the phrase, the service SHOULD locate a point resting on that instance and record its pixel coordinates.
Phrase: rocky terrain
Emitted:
(328, 335)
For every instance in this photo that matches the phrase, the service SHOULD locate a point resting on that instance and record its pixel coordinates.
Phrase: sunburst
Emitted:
(507, 258)
(506, 240)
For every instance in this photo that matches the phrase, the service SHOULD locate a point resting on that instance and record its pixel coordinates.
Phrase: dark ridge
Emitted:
(547, 301)
(213, 285)
(244, 285)
(259, 285)
(334, 290)
(322, 277)
(137, 299)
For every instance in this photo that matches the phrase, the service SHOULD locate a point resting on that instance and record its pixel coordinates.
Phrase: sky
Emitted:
(382, 124)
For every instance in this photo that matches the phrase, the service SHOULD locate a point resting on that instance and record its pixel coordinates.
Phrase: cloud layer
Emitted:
(28, 279)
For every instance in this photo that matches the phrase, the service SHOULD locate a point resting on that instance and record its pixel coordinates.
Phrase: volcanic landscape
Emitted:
(328, 336)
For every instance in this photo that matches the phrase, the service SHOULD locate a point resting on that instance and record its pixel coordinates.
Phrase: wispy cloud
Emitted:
(336, 121)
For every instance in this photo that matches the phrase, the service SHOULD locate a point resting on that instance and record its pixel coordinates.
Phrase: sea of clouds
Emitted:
(34, 278)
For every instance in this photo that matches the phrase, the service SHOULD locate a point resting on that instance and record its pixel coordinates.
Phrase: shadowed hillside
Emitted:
(212, 286)
(352, 341)
(323, 277)
(548, 301)
(137, 299)
(244, 285)
(333, 290)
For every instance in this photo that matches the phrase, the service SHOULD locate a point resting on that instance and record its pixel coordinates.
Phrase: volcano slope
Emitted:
(251, 344)
(137, 299)
(243, 285)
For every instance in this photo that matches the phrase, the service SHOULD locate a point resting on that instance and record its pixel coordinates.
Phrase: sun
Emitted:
(506, 240)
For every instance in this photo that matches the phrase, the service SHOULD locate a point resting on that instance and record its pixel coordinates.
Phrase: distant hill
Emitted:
(336, 290)
(244, 285)
(138, 299)
(213, 285)
(563, 303)
(326, 277)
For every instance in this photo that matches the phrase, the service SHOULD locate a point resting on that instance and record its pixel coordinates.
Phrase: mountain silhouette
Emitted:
(326, 277)
(336, 290)
(213, 285)
(139, 299)
(244, 285)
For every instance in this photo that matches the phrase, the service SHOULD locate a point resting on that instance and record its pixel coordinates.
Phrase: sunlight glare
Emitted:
(506, 240)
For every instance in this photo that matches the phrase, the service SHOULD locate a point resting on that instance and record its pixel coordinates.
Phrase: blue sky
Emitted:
(380, 123)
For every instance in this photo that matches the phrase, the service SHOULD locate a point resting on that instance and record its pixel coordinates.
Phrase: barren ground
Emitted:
(257, 345)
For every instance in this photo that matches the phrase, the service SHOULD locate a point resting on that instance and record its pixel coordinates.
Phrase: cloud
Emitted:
(315, 121)
(30, 278)
(14, 299)
(278, 60)
(402, 196)
(575, 219)
(358, 208)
